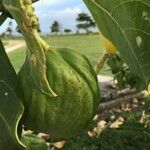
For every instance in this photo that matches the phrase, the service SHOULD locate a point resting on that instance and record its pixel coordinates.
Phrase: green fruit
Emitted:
(73, 79)
(60, 88)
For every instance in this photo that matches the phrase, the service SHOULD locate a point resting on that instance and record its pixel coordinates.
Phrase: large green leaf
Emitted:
(1, 6)
(127, 24)
(11, 108)
(3, 17)
(11, 111)
(7, 72)
(5, 137)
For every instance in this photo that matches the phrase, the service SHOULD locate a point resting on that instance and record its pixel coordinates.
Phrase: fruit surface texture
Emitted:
(73, 79)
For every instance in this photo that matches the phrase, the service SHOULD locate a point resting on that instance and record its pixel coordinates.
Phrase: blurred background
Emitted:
(64, 13)
(62, 24)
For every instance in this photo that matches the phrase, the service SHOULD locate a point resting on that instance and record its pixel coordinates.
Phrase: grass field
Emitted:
(88, 45)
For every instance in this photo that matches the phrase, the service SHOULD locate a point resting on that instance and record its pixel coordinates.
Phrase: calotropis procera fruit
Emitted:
(60, 87)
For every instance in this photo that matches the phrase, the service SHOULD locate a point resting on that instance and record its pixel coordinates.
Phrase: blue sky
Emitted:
(65, 11)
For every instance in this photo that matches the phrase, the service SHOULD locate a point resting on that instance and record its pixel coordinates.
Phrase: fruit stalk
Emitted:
(23, 13)
(110, 49)
(101, 62)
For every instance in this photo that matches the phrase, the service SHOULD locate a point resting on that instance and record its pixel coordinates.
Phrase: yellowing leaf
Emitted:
(110, 48)
(117, 123)
(59, 145)
(127, 25)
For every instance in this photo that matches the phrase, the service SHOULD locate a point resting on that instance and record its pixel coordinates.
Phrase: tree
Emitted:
(55, 28)
(67, 31)
(85, 22)
(9, 29)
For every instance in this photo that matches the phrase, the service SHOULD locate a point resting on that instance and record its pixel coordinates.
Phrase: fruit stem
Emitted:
(44, 44)
(23, 12)
(101, 62)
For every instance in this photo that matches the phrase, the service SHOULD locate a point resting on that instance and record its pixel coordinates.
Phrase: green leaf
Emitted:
(11, 108)
(5, 137)
(127, 25)
(11, 111)
(3, 17)
(7, 72)
(1, 6)
(34, 143)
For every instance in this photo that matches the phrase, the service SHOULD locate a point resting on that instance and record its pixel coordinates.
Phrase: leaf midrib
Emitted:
(129, 1)
(115, 21)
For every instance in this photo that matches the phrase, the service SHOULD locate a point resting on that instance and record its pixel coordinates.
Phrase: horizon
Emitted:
(50, 10)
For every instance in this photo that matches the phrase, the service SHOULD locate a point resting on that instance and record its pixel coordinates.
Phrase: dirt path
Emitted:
(13, 45)
(16, 44)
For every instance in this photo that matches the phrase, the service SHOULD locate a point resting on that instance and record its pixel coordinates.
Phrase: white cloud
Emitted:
(64, 11)
(49, 2)
(66, 17)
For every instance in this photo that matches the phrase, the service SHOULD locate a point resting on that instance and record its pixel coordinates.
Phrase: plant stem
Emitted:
(118, 101)
(101, 62)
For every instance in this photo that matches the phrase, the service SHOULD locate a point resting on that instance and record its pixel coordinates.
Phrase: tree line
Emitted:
(85, 23)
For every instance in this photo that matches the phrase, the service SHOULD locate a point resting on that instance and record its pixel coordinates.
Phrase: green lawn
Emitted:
(88, 45)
